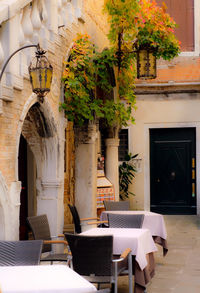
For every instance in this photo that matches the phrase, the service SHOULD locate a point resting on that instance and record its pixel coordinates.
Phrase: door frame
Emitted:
(147, 127)
(167, 147)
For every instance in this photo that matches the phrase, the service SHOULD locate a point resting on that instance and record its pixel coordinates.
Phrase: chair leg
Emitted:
(112, 288)
(130, 273)
(116, 275)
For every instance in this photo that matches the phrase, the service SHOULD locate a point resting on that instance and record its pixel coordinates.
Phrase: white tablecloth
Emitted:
(43, 278)
(138, 240)
(152, 221)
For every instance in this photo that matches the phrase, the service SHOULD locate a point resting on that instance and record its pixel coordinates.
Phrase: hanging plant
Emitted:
(85, 71)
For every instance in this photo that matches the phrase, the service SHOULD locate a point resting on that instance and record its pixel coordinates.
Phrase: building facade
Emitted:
(166, 134)
(33, 134)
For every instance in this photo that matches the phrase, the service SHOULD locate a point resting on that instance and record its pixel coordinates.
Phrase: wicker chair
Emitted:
(20, 253)
(116, 205)
(79, 222)
(92, 257)
(39, 226)
(125, 221)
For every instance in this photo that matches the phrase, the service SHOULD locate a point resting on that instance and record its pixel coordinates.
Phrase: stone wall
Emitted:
(54, 24)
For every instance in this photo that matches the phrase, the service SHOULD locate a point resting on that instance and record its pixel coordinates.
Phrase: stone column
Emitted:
(50, 202)
(86, 171)
(111, 166)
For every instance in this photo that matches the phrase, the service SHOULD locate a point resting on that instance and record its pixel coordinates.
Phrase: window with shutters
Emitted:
(182, 12)
(123, 144)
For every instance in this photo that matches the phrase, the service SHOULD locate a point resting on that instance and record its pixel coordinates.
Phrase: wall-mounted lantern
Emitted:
(146, 63)
(40, 71)
(146, 59)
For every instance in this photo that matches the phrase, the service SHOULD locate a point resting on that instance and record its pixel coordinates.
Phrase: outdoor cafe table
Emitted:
(152, 221)
(42, 279)
(142, 246)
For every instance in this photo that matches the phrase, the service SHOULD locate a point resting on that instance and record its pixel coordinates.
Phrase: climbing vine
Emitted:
(88, 73)
(142, 23)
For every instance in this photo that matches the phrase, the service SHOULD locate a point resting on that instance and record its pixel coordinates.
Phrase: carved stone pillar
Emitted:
(50, 202)
(86, 171)
(111, 166)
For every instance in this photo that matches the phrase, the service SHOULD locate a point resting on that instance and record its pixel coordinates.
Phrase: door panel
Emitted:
(171, 153)
(22, 169)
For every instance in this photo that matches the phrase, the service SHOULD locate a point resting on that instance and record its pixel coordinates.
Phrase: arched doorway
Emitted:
(38, 168)
(22, 170)
(27, 176)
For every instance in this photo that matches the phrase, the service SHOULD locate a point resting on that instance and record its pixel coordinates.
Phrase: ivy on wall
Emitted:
(85, 71)
(133, 24)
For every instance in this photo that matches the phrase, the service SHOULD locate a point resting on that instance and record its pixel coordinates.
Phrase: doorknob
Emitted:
(158, 180)
(172, 175)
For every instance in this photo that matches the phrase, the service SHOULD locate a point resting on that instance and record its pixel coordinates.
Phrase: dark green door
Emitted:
(172, 170)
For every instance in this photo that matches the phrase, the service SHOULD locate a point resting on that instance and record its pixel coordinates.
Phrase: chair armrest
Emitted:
(97, 222)
(90, 218)
(55, 242)
(58, 236)
(125, 253)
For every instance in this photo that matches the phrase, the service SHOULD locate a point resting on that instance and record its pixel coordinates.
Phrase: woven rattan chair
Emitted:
(39, 226)
(20, 253)
(92, 257)
(125, 221)
(78, 222)
(116, 205)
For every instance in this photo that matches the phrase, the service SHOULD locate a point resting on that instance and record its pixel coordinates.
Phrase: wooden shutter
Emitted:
(182, 12)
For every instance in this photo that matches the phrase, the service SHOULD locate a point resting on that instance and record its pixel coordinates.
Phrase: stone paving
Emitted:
(179, 270)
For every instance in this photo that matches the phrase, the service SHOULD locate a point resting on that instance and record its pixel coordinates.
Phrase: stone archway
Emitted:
(42, 137)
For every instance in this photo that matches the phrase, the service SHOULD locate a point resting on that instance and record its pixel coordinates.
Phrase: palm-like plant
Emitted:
(126, 174)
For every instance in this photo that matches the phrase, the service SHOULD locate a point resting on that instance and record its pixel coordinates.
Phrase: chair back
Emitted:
(91, 255)
(76, 218)
(125, 221)
(20, 253)
(39, 226)
(117, 205)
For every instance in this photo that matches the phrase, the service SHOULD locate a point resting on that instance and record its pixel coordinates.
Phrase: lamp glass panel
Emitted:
(152, 67)
(35, 79)
(146, 64)
(142, 62)
(43, 78)
(49, 72)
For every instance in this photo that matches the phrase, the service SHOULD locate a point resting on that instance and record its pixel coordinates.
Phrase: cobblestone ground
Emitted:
(179, 270)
